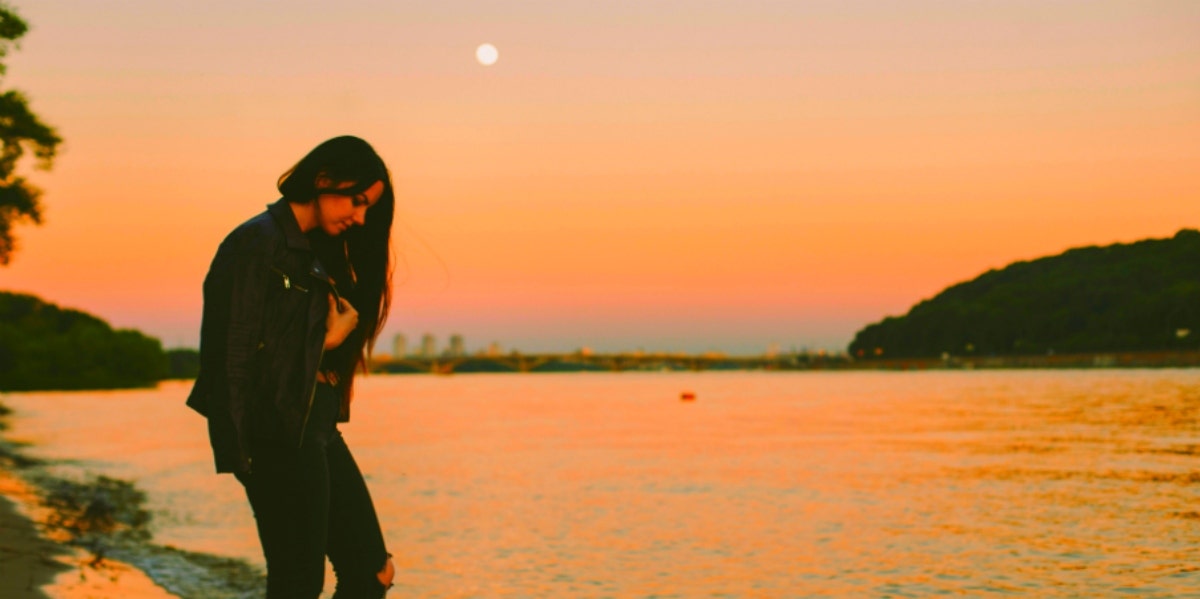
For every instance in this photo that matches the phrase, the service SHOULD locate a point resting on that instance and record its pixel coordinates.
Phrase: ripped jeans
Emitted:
(312, 504)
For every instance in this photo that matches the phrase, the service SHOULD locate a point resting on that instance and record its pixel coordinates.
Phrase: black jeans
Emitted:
(313, 503)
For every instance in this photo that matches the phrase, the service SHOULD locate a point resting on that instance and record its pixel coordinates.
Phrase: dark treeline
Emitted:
(1142, 296)
(43, 347)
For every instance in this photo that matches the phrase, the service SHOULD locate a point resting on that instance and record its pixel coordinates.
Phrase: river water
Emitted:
(806, 484)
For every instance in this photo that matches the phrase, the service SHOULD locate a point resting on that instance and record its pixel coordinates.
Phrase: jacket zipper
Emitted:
(287, 281)
(311, 396)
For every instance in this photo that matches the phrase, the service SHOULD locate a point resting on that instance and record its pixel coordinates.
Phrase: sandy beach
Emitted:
(29, 561)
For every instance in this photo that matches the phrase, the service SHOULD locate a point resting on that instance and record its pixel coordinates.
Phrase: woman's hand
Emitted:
(340, 322)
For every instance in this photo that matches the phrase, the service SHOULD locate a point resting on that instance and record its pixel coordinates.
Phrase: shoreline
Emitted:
(39, 566)
(91, 539)
(31, 562)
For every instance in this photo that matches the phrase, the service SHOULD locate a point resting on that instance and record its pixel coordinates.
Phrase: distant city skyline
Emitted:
(457, 345)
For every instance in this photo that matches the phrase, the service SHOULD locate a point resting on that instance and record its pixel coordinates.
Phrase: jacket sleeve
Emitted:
(234, 302)
(244, 335)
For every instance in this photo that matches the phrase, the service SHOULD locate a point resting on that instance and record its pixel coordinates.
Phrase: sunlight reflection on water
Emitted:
(1050, 483)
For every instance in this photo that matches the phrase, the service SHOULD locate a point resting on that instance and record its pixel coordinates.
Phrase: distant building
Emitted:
(457, 348)
(428, 346)
(494, 349)
(399, 347)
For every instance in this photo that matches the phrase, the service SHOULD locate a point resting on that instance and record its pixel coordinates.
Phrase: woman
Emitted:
(293, 303)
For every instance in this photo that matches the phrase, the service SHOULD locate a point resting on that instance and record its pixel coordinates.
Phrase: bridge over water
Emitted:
(577, 362)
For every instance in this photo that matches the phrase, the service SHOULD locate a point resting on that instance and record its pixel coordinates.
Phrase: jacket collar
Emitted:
(283, 215)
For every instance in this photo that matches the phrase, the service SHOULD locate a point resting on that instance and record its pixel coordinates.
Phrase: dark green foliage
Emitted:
(399, 368)
(20, 130)
(12, 28)
(45, 347)
(567, 366)
(482, 365)
(1142, 296)
(183, 363)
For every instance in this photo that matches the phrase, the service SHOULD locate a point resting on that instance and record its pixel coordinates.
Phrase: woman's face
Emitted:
(336, 213)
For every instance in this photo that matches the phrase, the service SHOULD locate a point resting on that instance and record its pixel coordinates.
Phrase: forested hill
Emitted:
(43, 346)
(1141, 296)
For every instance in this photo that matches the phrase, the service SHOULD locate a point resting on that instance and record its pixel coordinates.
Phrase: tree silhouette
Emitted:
(20, 130)
(43, 346)
(1141, 296)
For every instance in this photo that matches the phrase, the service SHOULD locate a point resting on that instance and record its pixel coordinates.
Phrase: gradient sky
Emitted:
(667, 175)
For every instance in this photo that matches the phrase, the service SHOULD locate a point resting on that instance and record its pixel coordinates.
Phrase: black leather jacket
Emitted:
(262, 338)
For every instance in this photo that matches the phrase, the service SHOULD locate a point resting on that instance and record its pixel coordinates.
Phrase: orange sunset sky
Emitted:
(666, 175)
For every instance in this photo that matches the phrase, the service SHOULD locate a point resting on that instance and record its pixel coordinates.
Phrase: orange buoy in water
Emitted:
(687, 396)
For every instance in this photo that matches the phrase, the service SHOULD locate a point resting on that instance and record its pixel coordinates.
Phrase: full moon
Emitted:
(487, 54)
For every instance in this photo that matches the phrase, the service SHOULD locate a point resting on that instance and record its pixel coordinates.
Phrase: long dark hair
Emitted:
(360, 259)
